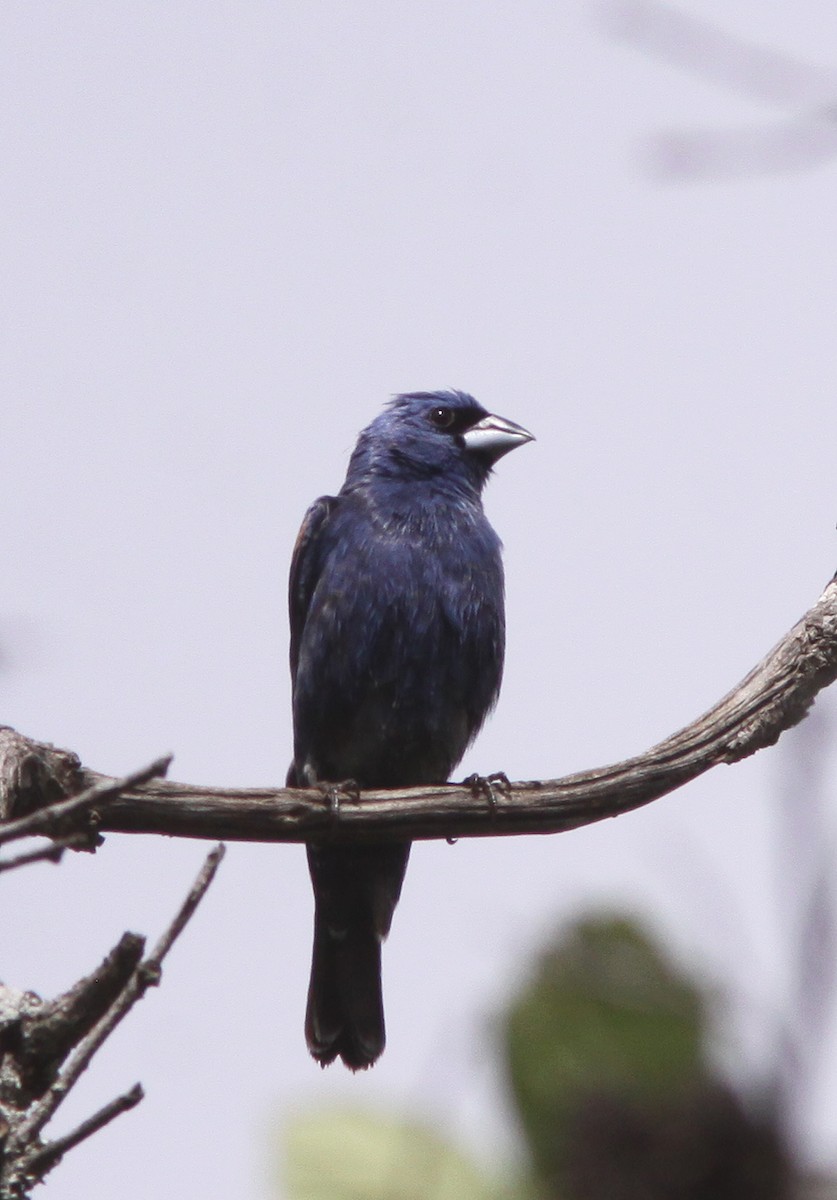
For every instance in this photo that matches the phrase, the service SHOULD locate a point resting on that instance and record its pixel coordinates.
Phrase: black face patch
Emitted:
(454, 420)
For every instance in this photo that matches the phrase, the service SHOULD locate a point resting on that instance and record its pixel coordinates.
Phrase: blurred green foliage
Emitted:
(606, 1051)
(606, 1054)
(350, 1155)
(605, 1010)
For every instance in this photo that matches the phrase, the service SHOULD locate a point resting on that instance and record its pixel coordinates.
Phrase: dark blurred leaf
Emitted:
(605, 1011)
(606, 1054)
(700, 1143)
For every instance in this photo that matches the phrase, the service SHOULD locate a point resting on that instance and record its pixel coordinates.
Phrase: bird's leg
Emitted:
(488, 786)
(333, 791)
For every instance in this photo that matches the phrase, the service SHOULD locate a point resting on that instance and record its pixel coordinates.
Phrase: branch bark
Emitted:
(773, 697)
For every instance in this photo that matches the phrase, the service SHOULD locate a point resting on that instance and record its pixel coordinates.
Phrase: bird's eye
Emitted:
(442, 418)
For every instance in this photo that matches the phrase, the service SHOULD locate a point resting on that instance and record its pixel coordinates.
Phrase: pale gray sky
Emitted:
(229, 233)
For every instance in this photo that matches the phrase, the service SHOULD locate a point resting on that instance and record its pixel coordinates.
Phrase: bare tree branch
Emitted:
(50, 1154)
(46, 1047)
(48, 1030)
(773, 697)
(53, 852)
(146, 974)
(60, 815)
(33, 774)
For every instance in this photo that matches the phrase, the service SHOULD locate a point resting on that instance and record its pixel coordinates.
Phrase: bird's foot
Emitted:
(333, 792)
(488, 786)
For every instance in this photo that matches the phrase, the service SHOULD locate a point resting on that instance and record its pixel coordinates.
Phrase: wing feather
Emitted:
(306, 565)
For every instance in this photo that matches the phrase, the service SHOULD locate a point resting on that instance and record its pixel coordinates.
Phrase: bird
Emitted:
(397, 639)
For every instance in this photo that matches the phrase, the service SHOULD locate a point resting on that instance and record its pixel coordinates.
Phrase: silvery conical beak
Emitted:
(494, 436)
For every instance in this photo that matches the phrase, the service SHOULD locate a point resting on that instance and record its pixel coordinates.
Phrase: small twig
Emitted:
(54, 852)
(145, 975)
(36, 1165)
(44, 820)
(196, 894)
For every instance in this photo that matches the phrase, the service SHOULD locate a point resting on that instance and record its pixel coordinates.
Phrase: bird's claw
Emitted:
(488, 786)
(332, 793)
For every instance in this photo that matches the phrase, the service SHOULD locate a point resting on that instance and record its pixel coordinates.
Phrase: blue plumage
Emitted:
(397, 640)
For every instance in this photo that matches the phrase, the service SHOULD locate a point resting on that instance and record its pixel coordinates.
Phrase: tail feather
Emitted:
(356, 889)
(345, 1013)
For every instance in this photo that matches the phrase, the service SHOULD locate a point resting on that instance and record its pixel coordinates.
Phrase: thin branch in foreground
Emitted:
(196, 894)
(50, 819)
(22, 1152)
(53, 853)
(49, 1155)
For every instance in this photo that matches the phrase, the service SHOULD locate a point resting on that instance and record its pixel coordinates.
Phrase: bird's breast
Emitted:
(402, 650)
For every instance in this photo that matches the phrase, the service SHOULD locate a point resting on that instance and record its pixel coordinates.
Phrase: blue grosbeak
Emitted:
(397, 640)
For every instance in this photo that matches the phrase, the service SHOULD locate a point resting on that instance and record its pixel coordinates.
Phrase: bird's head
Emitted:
(435, 435)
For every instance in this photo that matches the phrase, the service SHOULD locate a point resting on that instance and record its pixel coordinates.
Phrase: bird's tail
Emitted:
(345, 1013)
(355, 890)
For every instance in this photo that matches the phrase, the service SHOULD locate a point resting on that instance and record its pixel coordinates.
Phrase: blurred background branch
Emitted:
(805, 136)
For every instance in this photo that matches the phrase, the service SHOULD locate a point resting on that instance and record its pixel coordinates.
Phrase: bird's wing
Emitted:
(306, 564)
